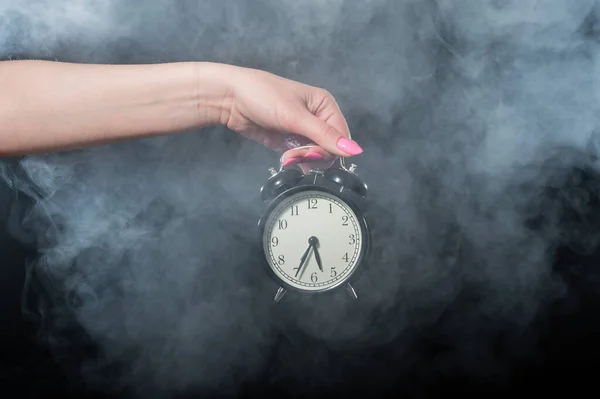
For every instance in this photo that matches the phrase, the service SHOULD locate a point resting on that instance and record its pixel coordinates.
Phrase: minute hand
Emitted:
(303, 259)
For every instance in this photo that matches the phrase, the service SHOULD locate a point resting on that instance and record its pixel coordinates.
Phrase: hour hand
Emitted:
(318, 257)
(313, 241)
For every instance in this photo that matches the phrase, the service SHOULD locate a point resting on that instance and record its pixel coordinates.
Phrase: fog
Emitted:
(466, 110)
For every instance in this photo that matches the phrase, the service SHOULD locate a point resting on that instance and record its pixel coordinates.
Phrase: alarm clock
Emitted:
(314, 232)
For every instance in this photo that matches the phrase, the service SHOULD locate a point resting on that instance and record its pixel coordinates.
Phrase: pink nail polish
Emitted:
(291, 161)
(349, 146)
(314, 155)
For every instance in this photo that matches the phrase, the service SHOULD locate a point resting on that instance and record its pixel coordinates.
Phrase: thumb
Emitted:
(326, 136)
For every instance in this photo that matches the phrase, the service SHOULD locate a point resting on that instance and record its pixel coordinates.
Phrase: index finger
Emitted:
(337, 119)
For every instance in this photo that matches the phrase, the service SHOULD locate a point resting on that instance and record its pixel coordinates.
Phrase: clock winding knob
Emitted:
(279, 182)
(348, 179)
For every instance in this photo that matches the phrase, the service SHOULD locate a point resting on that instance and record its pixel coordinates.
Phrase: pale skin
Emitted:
(50, 106)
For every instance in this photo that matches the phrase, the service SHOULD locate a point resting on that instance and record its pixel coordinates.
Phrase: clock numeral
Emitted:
(281, 260)
(282, 224)
(344, 220)
(313, 277)
(352, 239)
(294, 210)
(330, 208)
(333, 272)
(312, 203)
(275, 241)
(345, 257)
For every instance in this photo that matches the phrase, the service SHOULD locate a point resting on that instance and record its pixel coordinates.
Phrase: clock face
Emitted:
(313, 240)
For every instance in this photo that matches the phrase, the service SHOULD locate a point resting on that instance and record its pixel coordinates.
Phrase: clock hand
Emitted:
(306, 264)
(302, 260)
(318, 257)
(313, 241)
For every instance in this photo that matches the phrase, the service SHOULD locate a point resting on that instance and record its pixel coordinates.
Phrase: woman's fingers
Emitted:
(308, 157)
(326, 135)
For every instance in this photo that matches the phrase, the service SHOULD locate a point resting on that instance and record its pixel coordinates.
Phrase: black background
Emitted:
(565, 332)
(566, 357)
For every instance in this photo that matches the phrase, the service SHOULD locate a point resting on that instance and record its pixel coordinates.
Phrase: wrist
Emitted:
(214, 92)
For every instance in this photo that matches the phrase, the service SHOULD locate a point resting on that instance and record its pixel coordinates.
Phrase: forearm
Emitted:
(50, 106)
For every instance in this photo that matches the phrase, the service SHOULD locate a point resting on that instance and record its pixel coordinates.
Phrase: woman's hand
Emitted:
(56, 106)
(282, 114)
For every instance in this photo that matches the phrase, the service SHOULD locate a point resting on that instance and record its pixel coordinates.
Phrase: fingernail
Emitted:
(291, 161)
(314, 155)
(349, 146)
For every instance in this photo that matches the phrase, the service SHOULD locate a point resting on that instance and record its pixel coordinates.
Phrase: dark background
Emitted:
(567, 358)
(564, 335)
(451, 101)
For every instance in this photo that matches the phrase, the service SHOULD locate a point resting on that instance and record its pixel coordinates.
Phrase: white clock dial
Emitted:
(313, 240)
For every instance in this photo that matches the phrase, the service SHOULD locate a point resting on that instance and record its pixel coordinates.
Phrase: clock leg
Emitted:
(280, 294)
(351, 291)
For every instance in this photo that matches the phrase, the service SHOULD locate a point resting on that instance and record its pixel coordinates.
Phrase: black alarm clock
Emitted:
(314, 231)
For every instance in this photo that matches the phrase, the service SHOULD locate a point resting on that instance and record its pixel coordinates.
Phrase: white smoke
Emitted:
(456, 103)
